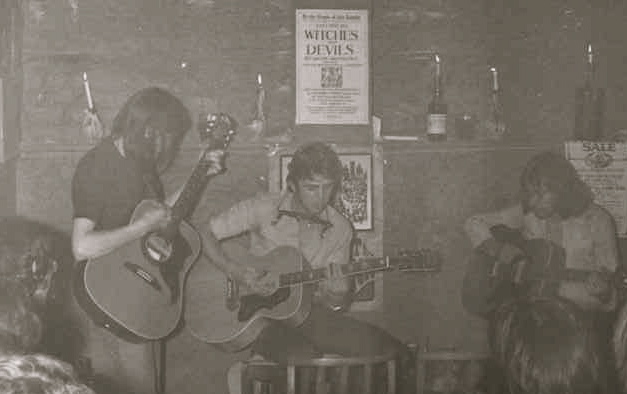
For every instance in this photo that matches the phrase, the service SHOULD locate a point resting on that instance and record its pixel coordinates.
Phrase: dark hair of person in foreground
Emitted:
(544, 346)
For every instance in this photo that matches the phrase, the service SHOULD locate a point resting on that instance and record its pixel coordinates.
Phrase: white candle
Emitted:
(590, 53)
(259, 82)
(437, 66)
(495, 79)
(90, 103)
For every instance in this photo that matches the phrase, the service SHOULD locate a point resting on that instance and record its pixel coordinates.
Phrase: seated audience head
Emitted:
(314, 175)
(38, 374)
(152, 123)
(550, 185)
(35, 254)
(543, 346)
(20, 328)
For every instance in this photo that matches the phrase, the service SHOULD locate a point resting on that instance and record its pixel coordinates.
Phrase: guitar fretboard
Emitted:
(318, 274)
(193, 187)
(362, 265)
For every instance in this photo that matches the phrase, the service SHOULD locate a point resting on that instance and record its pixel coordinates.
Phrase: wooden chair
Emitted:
(263, 377)
(341, 367)
(329, 374)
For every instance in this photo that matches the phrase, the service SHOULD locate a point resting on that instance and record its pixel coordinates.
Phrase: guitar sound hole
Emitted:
(157, 248)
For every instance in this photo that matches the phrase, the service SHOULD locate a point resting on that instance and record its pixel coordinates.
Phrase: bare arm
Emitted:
(579, 293)
(214, 251)
(88, 243)
(597, 292)
(260, 282)
(605, 243)
(236, 220)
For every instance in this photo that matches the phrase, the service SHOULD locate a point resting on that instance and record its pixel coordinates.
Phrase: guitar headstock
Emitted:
(217, 130)
(421, 260)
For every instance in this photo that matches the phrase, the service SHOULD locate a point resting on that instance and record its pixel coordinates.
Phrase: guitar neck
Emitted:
(194, 186)
(361, 265)
(197, 181)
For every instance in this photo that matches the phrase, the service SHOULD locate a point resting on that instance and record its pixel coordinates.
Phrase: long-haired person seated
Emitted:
(544, 346)
(556, 224)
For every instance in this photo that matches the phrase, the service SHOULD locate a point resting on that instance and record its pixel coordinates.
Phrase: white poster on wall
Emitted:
(332, 67)
(603, 166)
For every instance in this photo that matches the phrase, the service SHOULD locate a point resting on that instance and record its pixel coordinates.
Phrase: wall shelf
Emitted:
(40, 149)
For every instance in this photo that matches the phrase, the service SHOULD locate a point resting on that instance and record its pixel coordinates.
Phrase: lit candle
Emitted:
(90, 103)
(589, 53)
(495, 79)
(261, 96)
(437, 67)
(436, 77)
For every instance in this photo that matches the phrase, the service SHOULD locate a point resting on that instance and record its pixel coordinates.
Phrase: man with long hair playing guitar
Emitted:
(302, 217)
(109, 183)
(554, 242)
(556, 214)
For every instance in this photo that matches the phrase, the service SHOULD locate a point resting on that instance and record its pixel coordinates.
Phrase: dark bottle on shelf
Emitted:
(589, 105)
(437, 109)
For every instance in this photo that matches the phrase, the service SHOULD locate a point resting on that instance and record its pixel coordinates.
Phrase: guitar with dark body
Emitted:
(136, 291)
(536, 270)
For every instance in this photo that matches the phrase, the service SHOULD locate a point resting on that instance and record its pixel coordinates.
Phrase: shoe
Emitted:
(234, 378)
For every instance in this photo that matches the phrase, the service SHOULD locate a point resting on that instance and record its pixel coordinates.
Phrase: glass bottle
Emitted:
(437, 109)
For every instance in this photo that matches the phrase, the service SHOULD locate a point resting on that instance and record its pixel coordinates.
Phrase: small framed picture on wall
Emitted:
(354, 199)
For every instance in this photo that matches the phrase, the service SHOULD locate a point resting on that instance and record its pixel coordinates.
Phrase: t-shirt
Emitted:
(259, 216)
(107, 187)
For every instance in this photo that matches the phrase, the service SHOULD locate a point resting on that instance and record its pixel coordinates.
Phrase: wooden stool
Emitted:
(341, 366)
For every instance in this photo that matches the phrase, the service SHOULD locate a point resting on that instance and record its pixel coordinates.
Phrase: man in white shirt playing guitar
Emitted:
(302, 216)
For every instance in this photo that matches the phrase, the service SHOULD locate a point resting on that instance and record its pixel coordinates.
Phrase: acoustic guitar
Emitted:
(223, 314)
(535, 271)
(136, 291)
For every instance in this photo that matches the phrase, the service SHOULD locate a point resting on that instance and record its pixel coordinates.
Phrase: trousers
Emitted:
(325, 332)
(330, 332)
(119, 367)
